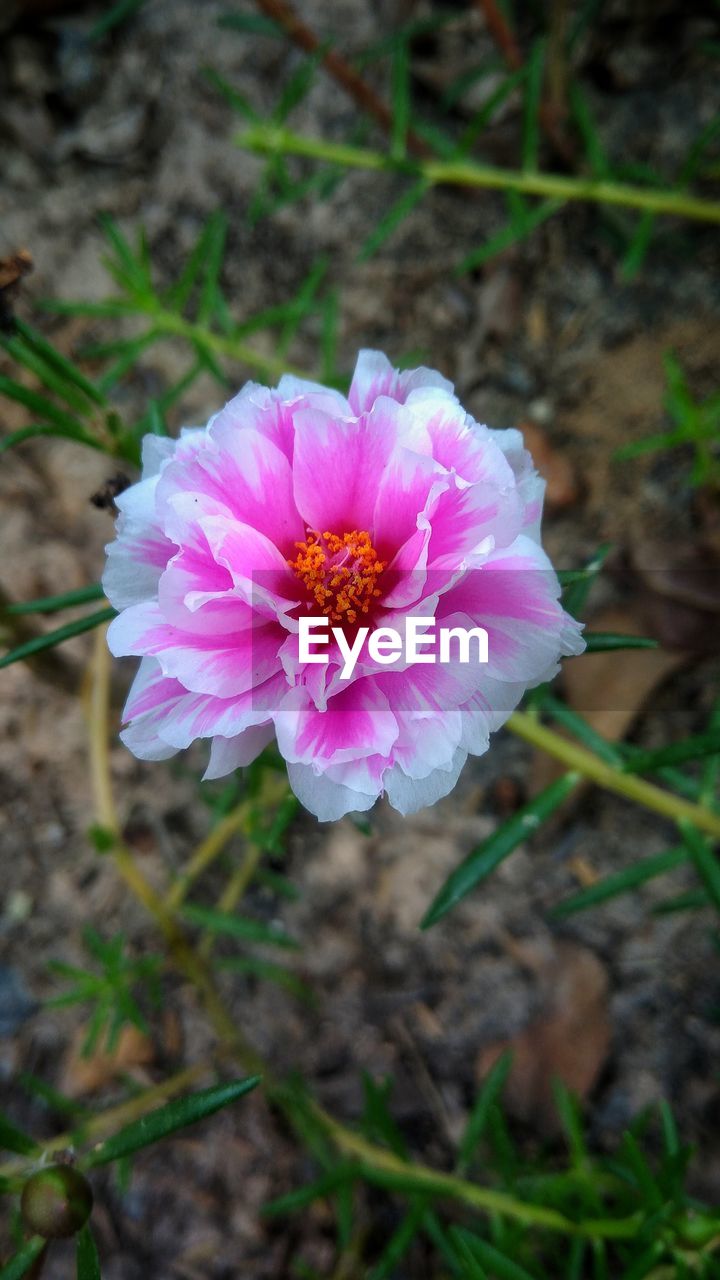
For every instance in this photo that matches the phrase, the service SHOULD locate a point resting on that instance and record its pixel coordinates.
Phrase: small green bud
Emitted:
(56, 1202)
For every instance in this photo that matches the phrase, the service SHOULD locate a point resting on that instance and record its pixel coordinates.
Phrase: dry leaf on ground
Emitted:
(569, 1040)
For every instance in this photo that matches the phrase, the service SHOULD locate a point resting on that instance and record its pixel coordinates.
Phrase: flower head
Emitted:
(357, 513)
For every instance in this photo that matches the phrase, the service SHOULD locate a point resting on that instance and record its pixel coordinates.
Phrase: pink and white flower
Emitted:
(297, 501)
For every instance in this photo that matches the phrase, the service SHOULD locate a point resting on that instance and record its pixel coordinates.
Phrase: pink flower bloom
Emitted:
(364, 510)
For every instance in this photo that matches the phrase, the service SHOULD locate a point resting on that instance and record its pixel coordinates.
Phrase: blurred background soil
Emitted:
(623, 1003)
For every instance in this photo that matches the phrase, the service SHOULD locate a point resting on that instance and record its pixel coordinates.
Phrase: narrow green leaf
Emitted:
(497, 1264)
(51, 638)
(318, 1190)
(60, 362)
(622, 881)
(236, 100)
(531, 112)
(12, 1139)
(695, 154)
(584, 732)
(487, 1097)
(30, 433)
(693, 900)
(264, 969)
(52, 1098)
(578, 583)
(109, 307)
(302, 304)
(178, 296)
(695, 748)
(470, 1265)
(671, 1138)
(483, 117)
(118, 13)
(377, 1122)
(606, 641)
(127, 359)
(329, 335)
(86, 1256)
(128, 268)
(478, 865)
(168, 1119)
(509, 235)
(52, 604)
(21, 1262)
(711, 767)
(639, 245)
(706, 861)
(40, 406)
(569, 1113)
(400, 97)
(238, 926)
(212, 266)
(299, 84)
(251, 24)
(392, 219)
(399, 1242)
(50, 379)
(587, 129)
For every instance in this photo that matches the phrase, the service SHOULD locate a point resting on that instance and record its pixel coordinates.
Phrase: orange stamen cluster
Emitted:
(340, 573)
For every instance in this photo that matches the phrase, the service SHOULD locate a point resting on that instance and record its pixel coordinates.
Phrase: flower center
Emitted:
(340, 573)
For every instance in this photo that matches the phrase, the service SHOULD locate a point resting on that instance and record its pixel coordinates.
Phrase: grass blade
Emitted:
(531, 113)
(706, 862)
(622, 881)
(478, 865)
(238, 927)
(12, 1139)
(21, 1262)
(168, 1119)
(400, 94)
(392, 219)
(40, 406)
(52, 604)
(487, 1097)
(86, 1256)
(607, 641)
(695, 748)
(51, 638)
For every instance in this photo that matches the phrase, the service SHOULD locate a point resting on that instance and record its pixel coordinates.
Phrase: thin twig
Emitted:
(346, 76)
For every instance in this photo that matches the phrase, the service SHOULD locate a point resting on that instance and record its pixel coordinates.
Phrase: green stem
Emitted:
(611, 779)
(385, 1169)
(199, 335)
(273, 140)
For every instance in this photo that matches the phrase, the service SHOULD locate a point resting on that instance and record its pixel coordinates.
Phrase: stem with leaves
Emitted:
(272, 140)
(374, 1163)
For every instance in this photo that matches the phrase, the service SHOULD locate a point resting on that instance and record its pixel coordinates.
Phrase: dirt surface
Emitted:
(551, 333)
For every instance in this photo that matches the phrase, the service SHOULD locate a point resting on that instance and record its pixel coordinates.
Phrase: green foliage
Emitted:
(697, 427)
(168, 1119)
(86, 1256)
(539, 1216)
(21, 1262)
(111, 989)
(148, 1128)
(488, 855)
(633, 231)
